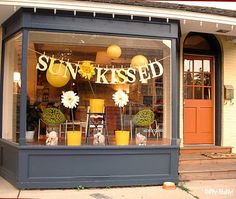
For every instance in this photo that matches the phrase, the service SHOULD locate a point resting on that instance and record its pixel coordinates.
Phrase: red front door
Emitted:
(198, 100)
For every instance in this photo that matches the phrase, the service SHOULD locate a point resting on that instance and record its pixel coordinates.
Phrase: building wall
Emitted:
(229, 78)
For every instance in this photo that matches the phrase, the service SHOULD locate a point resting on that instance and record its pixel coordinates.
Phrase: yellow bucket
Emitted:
(74, 138)
(96, 105)
(122, 137)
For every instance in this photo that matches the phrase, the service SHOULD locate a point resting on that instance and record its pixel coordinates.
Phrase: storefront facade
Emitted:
(30, 38)
(186, 81)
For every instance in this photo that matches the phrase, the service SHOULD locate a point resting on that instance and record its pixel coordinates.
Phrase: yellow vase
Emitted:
(96, 105)
(74, 138)
(122, 137)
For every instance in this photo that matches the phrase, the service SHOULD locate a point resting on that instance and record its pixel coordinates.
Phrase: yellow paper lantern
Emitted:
(139, 61)
(114, 51)
(58, 75)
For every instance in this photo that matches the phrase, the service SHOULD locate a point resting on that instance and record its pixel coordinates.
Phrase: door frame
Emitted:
(217, 53)
(213, 93)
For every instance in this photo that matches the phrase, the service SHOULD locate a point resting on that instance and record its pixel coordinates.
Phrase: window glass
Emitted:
(188, 92)
(12, 88)
(198, 92)
(197, 65)
(207, 79)
(207, 67)
(188, 65)
(188, 78)
(207, 93)
(198, 78)
(106, 64)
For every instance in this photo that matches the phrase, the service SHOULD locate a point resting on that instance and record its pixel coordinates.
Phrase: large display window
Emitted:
(99, 69)
(12, 88)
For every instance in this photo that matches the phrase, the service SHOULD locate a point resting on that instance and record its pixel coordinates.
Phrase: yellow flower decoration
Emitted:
(86, 70)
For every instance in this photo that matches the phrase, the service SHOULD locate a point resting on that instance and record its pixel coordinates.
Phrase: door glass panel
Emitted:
(206, 64)
(188, 78)
(207, 93)
(188, 93)
(207, 79)
(188, 65)
(198, 78)
(197, 93)
(197, 65)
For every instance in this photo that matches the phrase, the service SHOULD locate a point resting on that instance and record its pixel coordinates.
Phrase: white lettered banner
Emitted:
(108, 75)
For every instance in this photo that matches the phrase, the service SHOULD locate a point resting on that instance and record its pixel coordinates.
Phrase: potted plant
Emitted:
(33, 116)
(121, 99)
(52, 117)
(87, 71)
(70, 100)
(143, 120)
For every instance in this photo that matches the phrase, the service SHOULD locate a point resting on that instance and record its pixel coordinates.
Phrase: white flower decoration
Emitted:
(69, 99)
(121, 98)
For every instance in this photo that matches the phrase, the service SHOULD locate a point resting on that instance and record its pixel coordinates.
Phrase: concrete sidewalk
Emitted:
(212, 189)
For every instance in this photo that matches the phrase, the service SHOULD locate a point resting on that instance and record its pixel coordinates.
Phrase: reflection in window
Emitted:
(188, 65)
(198, 78)
(188, 79)
(207, 79)
(198, 93)
(12, 88)
(207, 93)
(188, 93)
(207, 67)
(153, 93)
(200, 81)
(197, 65)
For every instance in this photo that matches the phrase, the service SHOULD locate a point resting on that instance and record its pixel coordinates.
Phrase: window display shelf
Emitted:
(112, 142)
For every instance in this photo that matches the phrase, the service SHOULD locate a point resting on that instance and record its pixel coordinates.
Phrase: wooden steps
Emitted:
(193, 165)
(207, 175)
(205, 149)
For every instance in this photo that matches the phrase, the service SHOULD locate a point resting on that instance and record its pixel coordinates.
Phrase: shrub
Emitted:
(144, 118)
(53, 116)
